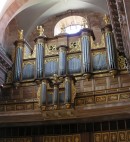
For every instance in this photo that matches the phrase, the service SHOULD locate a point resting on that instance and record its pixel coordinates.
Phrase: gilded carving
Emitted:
(20, 35)
(16, 139)
(102, 52)
(101, 99)
(80, 102)
(51, 49)
(77, 138)
(75, 45)
(10, 108)
(40, 30)
(113, 136)
(122, 136)
(62, 138)
(89, 100)
(97, 137)
(124, 96)
(29, 106)
(29, 55)
(128, 136)
(69, 57)
(100, 44)
(106, 19)
(28, 62)
(122, 62)
(113, 97)
(54, 59)
(105, 137)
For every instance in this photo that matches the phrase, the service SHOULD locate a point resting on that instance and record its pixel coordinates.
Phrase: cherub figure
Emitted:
(20, 34)
(40, 30)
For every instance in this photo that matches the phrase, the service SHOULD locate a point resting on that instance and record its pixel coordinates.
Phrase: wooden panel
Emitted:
(113, 82)
(87, 85)
(28, 92)
(17, 94)
(125, 80)
(100, 83)
(78, 86)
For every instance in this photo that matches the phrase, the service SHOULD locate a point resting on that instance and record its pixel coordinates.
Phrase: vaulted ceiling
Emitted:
(30, 13)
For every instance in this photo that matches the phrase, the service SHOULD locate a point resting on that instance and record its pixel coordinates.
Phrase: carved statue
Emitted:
(40, 30)
(20, 34)
(106, 19)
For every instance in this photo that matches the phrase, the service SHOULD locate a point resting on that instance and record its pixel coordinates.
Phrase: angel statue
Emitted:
(40, 30)
(20, 34)
(106, 19)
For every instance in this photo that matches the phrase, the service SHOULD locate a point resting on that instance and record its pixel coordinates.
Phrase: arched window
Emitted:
(70, 25)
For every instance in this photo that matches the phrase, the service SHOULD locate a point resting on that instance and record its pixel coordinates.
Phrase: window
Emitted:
(70, 25)
(73, 29)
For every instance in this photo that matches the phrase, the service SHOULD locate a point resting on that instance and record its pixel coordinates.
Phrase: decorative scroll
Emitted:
(51, 66)
(74, 63)
(28, 70)
(99, 60)
(74, 45)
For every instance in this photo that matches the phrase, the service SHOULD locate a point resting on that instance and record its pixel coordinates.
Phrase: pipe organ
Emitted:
(55, 64)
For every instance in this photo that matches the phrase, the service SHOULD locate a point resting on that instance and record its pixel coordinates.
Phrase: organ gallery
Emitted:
(66, 78)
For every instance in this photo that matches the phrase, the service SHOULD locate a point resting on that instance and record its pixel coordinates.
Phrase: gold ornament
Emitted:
(40, 30)
(20, 34)
(106, 19)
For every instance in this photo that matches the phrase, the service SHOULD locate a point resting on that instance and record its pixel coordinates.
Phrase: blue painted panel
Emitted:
(99, 62)
(28, 71)
(74, 66)
(51, 68)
